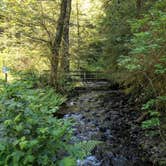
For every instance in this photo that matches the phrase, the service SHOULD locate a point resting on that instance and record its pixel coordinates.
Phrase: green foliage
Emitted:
(135, 53)
(153, 122)
(78, 151)
(135, 45)
(27, 31)
(154, 115)
(116, 30)
(30, 135)
(145, 64)
(147, 55)
(64, 84)
(152, 107)
(82, 149)
(46, 98)
(127, 42)
(67, 161)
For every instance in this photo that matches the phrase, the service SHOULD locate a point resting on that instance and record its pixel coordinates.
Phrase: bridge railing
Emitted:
(84, 76)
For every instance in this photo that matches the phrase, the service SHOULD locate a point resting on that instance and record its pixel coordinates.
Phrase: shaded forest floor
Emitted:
(105, 115)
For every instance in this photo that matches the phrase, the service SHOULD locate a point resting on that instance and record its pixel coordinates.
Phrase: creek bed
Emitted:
(105, 115)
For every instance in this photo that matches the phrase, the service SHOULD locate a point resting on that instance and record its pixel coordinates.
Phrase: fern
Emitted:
(67, 161)
(82, 149)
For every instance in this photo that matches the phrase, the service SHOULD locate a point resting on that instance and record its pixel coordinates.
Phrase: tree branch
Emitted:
(36, 38)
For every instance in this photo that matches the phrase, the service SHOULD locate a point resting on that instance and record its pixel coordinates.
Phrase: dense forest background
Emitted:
(42, 41)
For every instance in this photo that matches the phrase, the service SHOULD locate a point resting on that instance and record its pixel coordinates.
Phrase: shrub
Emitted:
(146, 62)
(29, 134)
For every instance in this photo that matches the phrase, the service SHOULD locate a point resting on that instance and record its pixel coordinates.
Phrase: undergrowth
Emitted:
(29, 134)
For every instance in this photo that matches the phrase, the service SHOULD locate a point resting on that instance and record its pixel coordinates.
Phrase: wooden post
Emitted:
(6, 77)
(84, 76)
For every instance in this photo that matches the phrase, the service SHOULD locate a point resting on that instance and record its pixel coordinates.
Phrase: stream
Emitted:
(105, 115)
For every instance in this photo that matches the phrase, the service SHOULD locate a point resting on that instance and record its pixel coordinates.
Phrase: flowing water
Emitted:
(105, 115)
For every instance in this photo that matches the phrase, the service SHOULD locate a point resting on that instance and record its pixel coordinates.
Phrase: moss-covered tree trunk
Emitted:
(57, 43)
(139, 6)
(65, 58)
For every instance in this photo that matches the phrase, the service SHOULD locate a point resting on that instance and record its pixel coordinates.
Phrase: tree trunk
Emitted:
(56, 44)
(65, 58)
(78, 33)
(139, 6)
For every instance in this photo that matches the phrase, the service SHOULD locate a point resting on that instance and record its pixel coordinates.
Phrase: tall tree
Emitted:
(65, 57)
(57, 43)
(139, 6)
(78, 31)
(29, 21)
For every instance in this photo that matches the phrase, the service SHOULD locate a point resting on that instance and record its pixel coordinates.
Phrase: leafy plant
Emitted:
(82, 149)
(78, 151)
(68, 161)
(29, 134)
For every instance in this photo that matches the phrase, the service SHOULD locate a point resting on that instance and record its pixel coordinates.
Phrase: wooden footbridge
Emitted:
(84, 76)
(87, 76)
